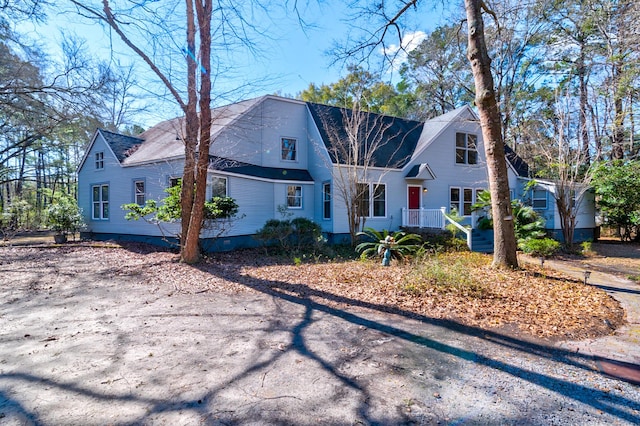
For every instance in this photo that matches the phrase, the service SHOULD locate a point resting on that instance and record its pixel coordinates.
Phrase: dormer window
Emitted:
(289, 152)
(466, 148)
(99, 160)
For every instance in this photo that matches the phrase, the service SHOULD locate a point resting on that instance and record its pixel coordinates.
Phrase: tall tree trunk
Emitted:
(504, 237)
(191, 252)
(189, 249)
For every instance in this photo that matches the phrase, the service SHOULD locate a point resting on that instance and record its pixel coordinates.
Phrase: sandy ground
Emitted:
(84, 342)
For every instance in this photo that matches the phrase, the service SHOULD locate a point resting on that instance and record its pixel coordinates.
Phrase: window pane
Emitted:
(454, 198)
(460, 156)
(455, 194)
(96, 211)
(362, 205)
(105, 210)
(379, 197)
(471, 141)
(472, 157)
(294, 196)
(96, 193)
(105, 192)
(468, 195)
(288, 149)
(219, 187)
(326, 190)
(461, 140)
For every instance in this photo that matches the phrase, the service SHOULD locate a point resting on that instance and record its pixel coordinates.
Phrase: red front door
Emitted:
(414, 197)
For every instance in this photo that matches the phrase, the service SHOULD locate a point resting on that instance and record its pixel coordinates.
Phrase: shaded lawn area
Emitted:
(532, 302)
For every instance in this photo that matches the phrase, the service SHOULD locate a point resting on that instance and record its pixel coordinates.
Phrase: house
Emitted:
(275, 155)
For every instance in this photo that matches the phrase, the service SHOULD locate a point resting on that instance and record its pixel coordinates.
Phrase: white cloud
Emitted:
(409, 42)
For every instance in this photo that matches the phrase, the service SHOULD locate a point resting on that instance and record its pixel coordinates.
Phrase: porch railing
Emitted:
(424, 218)
(432, 218)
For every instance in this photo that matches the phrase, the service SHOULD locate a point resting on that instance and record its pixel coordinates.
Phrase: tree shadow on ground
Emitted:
(303, 295)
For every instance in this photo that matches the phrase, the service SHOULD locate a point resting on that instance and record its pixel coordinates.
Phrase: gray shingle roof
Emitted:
(399, 136)
(120, 144)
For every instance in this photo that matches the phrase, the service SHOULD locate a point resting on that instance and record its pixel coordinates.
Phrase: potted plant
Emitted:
(64, 218)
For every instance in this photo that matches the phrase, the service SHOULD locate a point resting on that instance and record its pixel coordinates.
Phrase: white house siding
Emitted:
(440, 155)
(319, 166)
(284, 119)
(121, 190)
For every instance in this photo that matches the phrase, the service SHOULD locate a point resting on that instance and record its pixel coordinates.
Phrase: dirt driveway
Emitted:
(85, 340)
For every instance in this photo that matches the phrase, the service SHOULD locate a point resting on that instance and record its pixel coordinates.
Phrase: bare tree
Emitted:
(362, 147)
(568, 169)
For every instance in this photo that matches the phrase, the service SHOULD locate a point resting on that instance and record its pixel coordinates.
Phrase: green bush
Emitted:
(292, 235)
(64, 216)
(539, 247)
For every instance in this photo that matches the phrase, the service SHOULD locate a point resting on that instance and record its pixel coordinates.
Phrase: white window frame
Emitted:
(99, 160)
(466, 149)
(535, 199)
(375, 200)
(226, 186)
(370, 199)
(297, 195)
(326, 201)
(139, 197)
(285, 152)
(100, 203)
(462, 201)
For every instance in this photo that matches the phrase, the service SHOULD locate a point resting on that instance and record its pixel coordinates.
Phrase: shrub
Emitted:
(64, 216)
(539, 247)
(373, 245)
(291, 235)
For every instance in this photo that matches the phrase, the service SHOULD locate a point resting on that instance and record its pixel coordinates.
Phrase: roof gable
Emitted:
(435, 126)
(397, 137)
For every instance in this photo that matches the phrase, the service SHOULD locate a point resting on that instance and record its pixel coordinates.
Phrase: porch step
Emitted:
(480, 242)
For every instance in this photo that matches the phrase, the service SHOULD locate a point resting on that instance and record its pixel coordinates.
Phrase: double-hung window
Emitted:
(139, 192)
(326, 200)
(100, 202)
(99, 160)
(289, 151)
(466, 148)
(461, 200)
(539, 199)
(371, 200)
(294, 196)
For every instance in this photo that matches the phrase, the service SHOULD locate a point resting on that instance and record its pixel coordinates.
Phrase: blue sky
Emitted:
(289, 58)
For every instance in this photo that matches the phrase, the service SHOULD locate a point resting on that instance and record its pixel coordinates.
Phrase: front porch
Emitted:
(481, 241)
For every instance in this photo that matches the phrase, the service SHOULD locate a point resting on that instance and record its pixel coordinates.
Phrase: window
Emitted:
(289, 149)
(454, 200)
(100, 201)
(294, 196)
(461, 199)
(372, 200)
(362, 199)
(466, 148)
(218, 186)
(139, 192)
(539, 199)
(379, 200)
(100, 160)
(468, 201)
(326, 201)
(174, 181)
